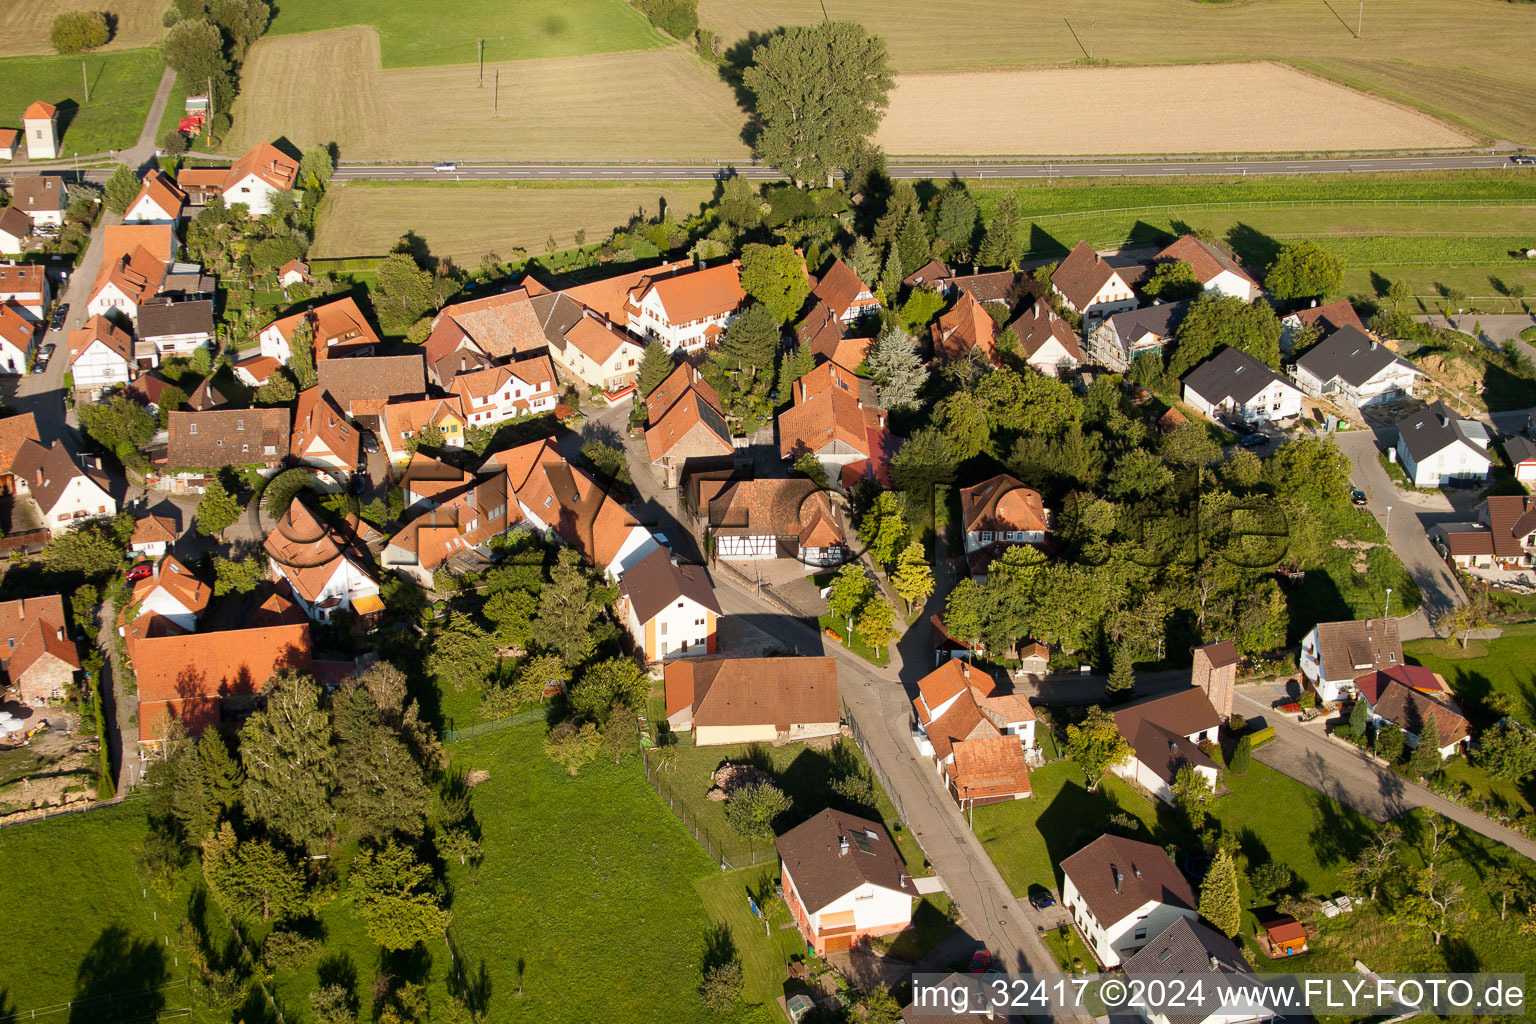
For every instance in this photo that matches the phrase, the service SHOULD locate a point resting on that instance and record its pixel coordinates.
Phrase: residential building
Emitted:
(172, 593)
(1235, 384)
(135, 262)
(37, 656)
(14, 431)
(26, 285)
(152, 536)
(1000, 511)
(1215, 673)
(685, 427)
(328, 568)
(44, 198)
(427, 482)
(1121, 893)
(295, 271)
(753, 519)
(1521, 453)
(1437, 447)
(1353, 368)
(322, 437)
(476, 333)
(726, 701)
(65, 494)
(193, 681)
(1047, 341)
(168, 329)
(15, 229)
(966, 327)
(1411, 697)
(1329, 318)
(259, 175)
(337, 328)
(1192, 953)
(976, 733)
(506, 391)
(1216, 270)
(932, 275)
(1164, 733)
(829, 419)
(1117, 341)
(205, 396)
(828, 339)
(994, 287)
(1092, 287)
(847, 297)
(200, 443)
(598, 353)
(10, 142)
(362, 385)
(15, 338)
(686, 310)
(159, 202)
(101, 356)
(1333, 654)
(402, 421)
(843, 881)
(1503, 536)
(253, 371)
(669, 606)
(40, 121)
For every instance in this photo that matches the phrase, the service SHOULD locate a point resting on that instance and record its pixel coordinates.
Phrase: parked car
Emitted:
(41, 365)
(47, 350)
(59, 315)
(1041, 900)
(1254, 440)
(1356, 497)
(142, 571)
(370, 442)
(446, 167)
(360, 480)
(979, 961)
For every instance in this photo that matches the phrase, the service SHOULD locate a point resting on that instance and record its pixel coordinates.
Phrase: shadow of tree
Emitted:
(1256, 249)
(118, 978)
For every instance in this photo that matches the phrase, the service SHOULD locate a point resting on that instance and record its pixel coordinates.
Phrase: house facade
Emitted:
(686, 310)
(1001, 511)
(1351, 367)
(1117, 341)
(66, 494)
(172, 593)
(1090, 286)
(527, 387)
(326, 568)
(669, 607)
(757, 519)
(39, 659)
(169, 329)
(1333, 654)
(100, 356)
(1436, 447)
(843, 881)
(848, 297)
(1216, 270)
(26, 285)
(1121, 893)
(258, 176)
(1234, 383)
(976, 733)
(1164, 733)
(15, 338)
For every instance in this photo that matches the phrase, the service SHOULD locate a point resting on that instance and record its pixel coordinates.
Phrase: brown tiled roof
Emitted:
(782, 692)
(163, 317)
(337, 327)
(317, 417)
(1038, 325)
(1157, 729)
(277, 608)
(268, 163)
(205, 396)
(47, 471)
(1412, 710)
(823, 872)
(1221, 653)
(1002, 503)
(991, 287)
(1208, 260)
(17, 617)
(42, 638)
(1371, 684)
(968, 325)
(695, 294)
(15, 223)
(137, 273)
(99, 328)
(840, 288)
(38, 110)
(823, 333)
(14, 327)
(1116, 877)
(416, 416)
(1082, 274)
(689, 416)
(430, 477)
(308, 551)
(829, 414)
(1510, 518)
(598, 339)
(992, 766)
(1330, 317)
(929, 275)
(226, 437)
(163, 192)
(778, 508)
(39, 192)
(1345, 649)
(502, 325)
(13, 431)
(963, 721)
(362, 384)
(686, 378)
(22, 279)
(656, 581)
(176, 580)
(153, 530)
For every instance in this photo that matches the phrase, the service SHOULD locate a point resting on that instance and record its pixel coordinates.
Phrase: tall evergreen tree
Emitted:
(1005, 233)
(290, 765)
(1425, 759)
(1122, 677)
(655, 366)
(796, 364)
(897, 369)
(1220, 896)
(397, 896)
(121, 189)
(567, 610)
(955, 222)
(863, 260)
(380, 787)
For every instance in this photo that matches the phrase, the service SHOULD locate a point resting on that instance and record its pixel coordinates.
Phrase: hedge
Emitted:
(1259, 737)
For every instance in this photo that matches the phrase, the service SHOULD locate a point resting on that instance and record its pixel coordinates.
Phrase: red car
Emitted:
(979, 961)
(142, 571)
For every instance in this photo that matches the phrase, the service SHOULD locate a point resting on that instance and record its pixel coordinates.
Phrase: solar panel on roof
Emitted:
(862, 842)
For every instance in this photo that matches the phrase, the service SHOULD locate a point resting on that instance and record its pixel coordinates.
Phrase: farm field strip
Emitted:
(24, 24)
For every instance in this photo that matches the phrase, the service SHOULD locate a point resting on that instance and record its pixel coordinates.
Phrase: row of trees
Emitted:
(207, 41)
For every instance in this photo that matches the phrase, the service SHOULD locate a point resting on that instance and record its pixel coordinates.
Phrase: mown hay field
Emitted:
(464, 222)
(329, 87)
(24, 24)
(1467, 61)
(450, 31)
(1212, 108)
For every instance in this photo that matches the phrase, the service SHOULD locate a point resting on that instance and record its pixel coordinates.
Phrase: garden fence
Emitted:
(730, 852)
(453, 735)
(869, 758)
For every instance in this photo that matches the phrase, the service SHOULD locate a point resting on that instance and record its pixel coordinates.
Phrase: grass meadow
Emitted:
(123, 83)
(24, 24)
(1506, 665)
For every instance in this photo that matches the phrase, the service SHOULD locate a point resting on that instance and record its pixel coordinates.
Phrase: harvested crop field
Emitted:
(1464, 60)
(464, 222)
(1181, 108)
(24, 24)
(329, 87)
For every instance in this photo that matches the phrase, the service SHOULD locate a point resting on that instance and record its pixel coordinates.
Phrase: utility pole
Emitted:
(482, 62)
(496, 95)
(85, 80)
(1360, 22)
(208, 122)
(1388, 613)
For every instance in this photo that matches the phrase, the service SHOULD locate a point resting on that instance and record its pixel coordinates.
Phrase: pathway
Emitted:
(142, 156)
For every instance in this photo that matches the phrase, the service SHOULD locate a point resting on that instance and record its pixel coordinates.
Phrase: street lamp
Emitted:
(1388, 613)
(1389, 522)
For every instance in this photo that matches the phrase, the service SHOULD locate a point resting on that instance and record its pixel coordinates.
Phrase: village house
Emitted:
(322, 438)
(152, 536)
(169, 329)
(10, 142)
(995, 287)
(848, 298)
(685, 428)
(362, 385)
(15, 338)
(669, 606)
(426, 481)
(976, 733)
(597, 353)
(1121, 893)
(100, 356)
(44, 198)
(1000, 511)
(755, 519)
(1164, 733)
(830, 420)
(402, 421)
(844, 881)
(1353, 368)
(686, 309)
(337, 328)
(506, 391)
(199, 444)
(295, 271)
(1503, 536)
(1116, 342)
(1047, 341)
(1411, 697)
(172, 593)
(1193, 954)
(328, 568)
(40, 120)
(1094, 288)
(1521, 453)
(135, 261)
(258, 176)
(1216, 270)
(15, 430)
(65, 494)
(1332, 317)
(205, 396)
(15, 229)
(1334, 654)
(38, 657)
(1235, 384)
(726, 701)
(1437, 447)
(475, 333)
(1214, 671)
(932, 275)
(965, 328)
(828, 339)
(26, 285)
(159, 202)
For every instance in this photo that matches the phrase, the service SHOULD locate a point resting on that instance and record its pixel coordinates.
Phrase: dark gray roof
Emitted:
(1435, 428)
(1230, 373)
(1159, 319)
(557, 314)
(1351, 355)
(655, 582)
(1116, 877)
(1519, 449)
(160, 319)
(1188, 947)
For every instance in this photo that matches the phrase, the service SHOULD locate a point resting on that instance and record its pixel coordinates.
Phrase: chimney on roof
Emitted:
(61, 632)
(1314, 303)
(1119, 878)
(842, 846)
(1214, 962)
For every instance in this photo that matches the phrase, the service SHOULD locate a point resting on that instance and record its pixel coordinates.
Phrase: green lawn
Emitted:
(877, 656)
(123, 83)
(449, 31)
(1506, 666)
(765, 952)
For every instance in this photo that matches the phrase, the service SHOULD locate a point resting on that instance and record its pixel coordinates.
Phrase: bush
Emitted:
(1259, 737)
(75, 31)
(1240, 756)
(283, 488)
(1237, 725)
(678, 18)
(173, 143)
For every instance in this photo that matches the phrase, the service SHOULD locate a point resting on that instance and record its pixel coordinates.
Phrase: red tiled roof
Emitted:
(841, 289)
(337, 327)
(13, 431)
(992, 766)
(163, 192)
(317, 417)
(1207, 259)
(39, 109)
(268, 163)
(195, 668)
(1002, 503)
(968, 325)
(695, 294)
(153, 530)
(782, 692)
(14, 327)
(99, 328)
(176, 580)
(42, 638)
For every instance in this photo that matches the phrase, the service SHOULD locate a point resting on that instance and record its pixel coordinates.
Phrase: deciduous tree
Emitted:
(913, 578)
(237, 577)
(572, 745)
(1304, 270)
(616, 682)
(877, 622)
(217, 509)
(752, 809)
(774, 275)
(1096, 745)
(1214, 321)
(1507, 751)
(74, 31)
(1173, 280)
(883, 527)
(851, 587)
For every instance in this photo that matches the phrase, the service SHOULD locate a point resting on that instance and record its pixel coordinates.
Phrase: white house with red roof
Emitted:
(159, 202)
(848, 297)
(976, 733)
(100, 355)
(172, 593)
(15, 338)
(686, 309)
(259, 175)
(1216, 270)
(337, 328)
(41, 123)
(25, 284)
(496, 394)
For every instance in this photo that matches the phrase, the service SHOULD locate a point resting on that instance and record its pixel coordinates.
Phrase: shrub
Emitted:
(1259, 737)
(173, 143)
(678, 18)
(1240, 756)
(74, 31)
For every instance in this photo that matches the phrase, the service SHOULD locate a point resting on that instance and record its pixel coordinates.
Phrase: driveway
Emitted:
(1343, 772)
(1497, 328)
(1410, 518)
